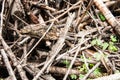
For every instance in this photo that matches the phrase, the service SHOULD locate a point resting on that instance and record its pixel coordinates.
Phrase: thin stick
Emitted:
(1, 22)
(91, 70)
(58, 46)
(37, 42)
(66, 11)
(13, 58)
(110, 77)
(72, 62)
(7, 63)
(108, 15)
(7, 48)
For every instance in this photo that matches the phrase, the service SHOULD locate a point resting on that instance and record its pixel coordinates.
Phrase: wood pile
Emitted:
(59, 39)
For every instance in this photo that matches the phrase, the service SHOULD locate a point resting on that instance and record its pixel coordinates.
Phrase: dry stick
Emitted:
(49, 29)
(58, 46)
(66, 11)
(37, 43)
(110, 77)
(9, 12)
(108, 15)
(1, 20)
(7, 48)
(90, 71)
(71, 51)
(72, 62)
(80, 34)
(7, 63)
(88, 7)
(13, 58)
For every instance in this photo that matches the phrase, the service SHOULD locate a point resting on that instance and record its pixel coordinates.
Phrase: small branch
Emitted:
(110, 77)
(7, 63)
(37, 42)
(58, 46)
(72, 62)
(1, 21)
(13, 58)
(108, 15)
(91, 70)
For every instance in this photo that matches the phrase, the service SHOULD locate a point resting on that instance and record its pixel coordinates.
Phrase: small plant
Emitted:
(66, 62)
(97, 72)
(102, 17)
(112, 47)
(83, 68)
(113, 38)
(104, 45)
(96, 42)
(97, 56)
(81, 76)
(73, 76)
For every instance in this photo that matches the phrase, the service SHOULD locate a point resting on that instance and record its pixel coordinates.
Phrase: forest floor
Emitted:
(59, 40)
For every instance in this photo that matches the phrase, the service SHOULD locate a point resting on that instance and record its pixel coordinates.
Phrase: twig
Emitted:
(88, 7)
(58, 46)
(110, 77)
(108, 15)
(1, 21)
(9, 12)
(66, 11)
(73, 49)
(90, 71)
(72, 62)
(13, 58)
(7, 63)
(24, 40)
(37, 42)
(9, 51)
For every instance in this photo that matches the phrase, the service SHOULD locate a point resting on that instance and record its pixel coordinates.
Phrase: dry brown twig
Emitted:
(91, 70)
(8, 49)
(108, 15)
(7, 63)
(71, 64)
(110, 77)
(58, 46)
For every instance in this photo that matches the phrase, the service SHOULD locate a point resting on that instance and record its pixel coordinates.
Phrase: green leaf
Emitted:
(66, 62)
(96, 42)
(81, 76)
(73, 76)
(97, 72)
(102, 17)
(97, 56)
(113, 38)
(91, 65)
(112, 48)
(93, 42)
(105, 45)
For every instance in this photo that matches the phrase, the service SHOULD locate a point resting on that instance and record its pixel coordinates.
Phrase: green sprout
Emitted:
(73, 76)
(105, 45)
(102, 17)
(97, 56)
(96, 42)
(97, 72)
(66, 62)
(113, 38)
(81, 76)
(112, 47)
